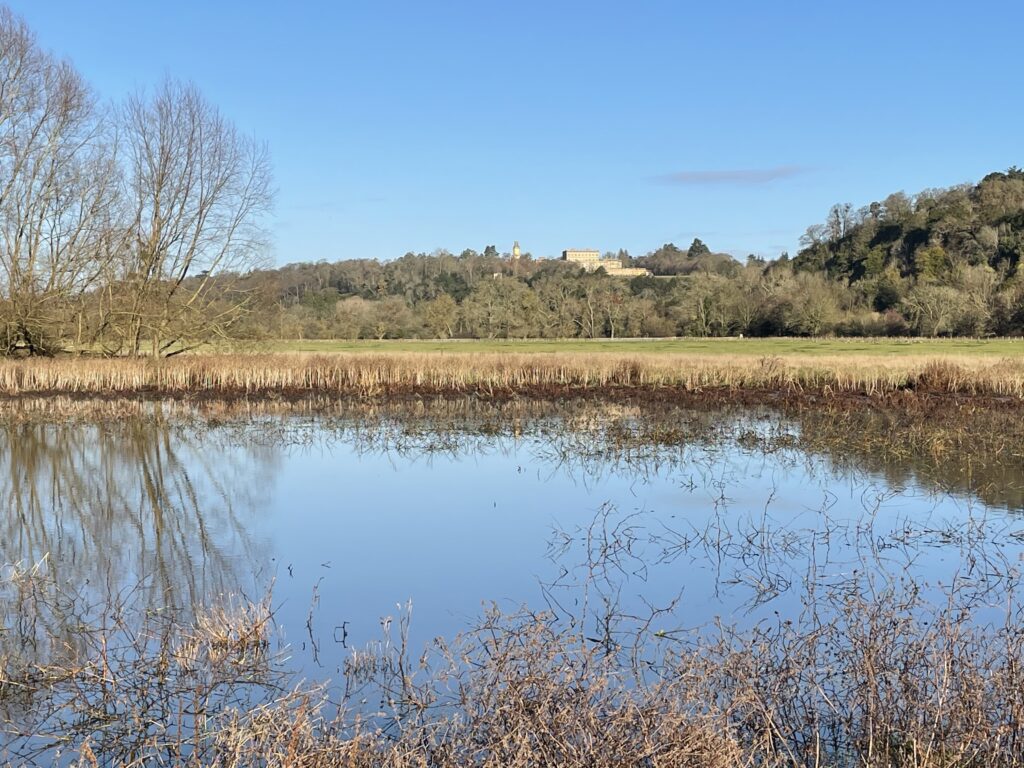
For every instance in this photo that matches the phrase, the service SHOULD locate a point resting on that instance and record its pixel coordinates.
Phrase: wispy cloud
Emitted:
(737, 176)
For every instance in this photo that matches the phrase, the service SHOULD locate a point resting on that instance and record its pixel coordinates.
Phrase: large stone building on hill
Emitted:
(592, 261)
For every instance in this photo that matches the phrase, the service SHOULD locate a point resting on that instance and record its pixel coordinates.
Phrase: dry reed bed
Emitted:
(887, 682)
(439, 373)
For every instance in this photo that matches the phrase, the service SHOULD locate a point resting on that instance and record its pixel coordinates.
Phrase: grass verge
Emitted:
(912, 347)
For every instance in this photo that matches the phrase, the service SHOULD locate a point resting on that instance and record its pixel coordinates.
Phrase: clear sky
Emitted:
(398, 126)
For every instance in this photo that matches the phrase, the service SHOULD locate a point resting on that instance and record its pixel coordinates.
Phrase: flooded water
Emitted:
(350, 521)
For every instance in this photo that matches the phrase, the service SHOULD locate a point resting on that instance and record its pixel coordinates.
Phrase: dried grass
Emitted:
(369, 375)
(863, 678)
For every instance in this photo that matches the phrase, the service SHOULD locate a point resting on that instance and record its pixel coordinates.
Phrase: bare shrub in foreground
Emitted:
(865, 676)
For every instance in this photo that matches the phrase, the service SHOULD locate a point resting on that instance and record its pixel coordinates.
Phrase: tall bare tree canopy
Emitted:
(58, 191)
(197, 191)
(116, 224)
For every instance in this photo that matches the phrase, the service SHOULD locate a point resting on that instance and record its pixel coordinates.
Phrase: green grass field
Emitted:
(731, 346)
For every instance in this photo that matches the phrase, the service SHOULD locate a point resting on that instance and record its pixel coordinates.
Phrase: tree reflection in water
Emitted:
(133, 501)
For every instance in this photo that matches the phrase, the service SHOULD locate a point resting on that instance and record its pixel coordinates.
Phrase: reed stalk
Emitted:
(373, 375)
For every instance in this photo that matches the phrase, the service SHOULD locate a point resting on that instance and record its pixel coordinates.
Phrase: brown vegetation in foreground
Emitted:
(861, 679)
(362, 375)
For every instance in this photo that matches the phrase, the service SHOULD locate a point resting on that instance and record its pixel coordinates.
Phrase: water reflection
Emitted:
(133, 501)
(454, 502)
(971, 451)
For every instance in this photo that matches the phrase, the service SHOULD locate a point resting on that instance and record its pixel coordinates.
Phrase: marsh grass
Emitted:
(120, 683)
(493, 374)
(870, 673)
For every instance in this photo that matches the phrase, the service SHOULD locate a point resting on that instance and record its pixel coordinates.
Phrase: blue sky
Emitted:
(398, 126)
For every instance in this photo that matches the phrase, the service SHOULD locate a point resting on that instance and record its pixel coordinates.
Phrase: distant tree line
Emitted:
(944, 262)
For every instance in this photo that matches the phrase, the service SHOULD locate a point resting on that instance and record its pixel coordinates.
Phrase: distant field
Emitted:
(704, 347)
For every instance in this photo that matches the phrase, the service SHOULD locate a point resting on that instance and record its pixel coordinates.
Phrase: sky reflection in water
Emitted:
(347, 526)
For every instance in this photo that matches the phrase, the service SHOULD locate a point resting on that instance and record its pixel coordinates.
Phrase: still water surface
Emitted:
(346, 519)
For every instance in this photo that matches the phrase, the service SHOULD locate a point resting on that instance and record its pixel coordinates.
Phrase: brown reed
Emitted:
(495, 374)
(888, 680)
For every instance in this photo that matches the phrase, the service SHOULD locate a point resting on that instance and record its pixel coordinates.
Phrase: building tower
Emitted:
(515, 258)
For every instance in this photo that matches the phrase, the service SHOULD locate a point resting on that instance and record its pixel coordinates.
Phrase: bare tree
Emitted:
(931, 308)
(57, 192)
(841, 219)
(198, 191)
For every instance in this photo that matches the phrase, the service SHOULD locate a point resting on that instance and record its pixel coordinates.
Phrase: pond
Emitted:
(346, 519)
